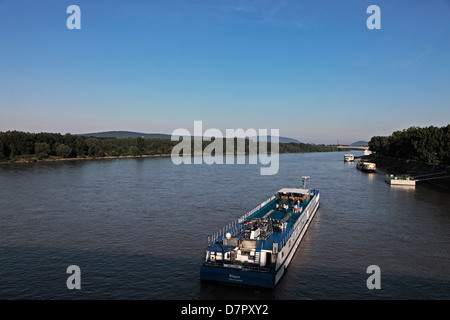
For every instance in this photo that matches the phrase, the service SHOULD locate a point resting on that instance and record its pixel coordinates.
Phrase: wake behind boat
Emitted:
(257, 248)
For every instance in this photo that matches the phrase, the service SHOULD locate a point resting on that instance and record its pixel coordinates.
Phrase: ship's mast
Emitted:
(304, 179)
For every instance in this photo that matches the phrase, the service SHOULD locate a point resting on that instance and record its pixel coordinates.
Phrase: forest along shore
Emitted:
(84, 158)
(16, 146)
(397, 166)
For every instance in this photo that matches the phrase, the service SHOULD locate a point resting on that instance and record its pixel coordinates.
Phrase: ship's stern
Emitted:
(237, 276)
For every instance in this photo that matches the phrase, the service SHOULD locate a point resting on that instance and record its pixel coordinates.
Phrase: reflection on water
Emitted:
(137, 228)
(403, 188)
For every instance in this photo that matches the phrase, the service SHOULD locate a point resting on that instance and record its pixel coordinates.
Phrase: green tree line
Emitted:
(429, 144)
(16, 145)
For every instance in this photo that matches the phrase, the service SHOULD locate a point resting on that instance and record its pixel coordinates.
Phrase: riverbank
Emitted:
(418, 169)
(33, 158)
(54, 159)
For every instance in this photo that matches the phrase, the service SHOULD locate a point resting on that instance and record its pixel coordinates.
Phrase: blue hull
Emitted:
(237, 276)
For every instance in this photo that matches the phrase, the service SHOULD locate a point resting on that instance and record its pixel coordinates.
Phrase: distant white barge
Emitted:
(349, 157)
(400, 180)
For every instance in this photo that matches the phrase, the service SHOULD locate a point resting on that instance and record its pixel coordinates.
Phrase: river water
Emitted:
(137, 229)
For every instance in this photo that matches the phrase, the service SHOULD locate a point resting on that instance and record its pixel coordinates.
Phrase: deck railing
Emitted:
(236, 226)
(304, 215)
(240, 266)
(248, 214)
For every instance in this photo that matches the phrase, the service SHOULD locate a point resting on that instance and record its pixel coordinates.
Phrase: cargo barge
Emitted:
(366, 166)
(256, 249)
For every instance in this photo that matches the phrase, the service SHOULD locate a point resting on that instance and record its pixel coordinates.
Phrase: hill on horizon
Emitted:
(125, 134)
(360, 144)
(131, 134)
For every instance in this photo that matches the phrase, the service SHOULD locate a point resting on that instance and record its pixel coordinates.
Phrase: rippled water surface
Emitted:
(137, 228)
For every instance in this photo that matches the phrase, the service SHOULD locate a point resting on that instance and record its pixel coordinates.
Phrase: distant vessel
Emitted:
(257, 248)
(400, 180)
(366, 166)
(349, 157)
(367, 152)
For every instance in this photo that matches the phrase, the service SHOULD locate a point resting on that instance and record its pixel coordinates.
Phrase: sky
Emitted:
(312, 69)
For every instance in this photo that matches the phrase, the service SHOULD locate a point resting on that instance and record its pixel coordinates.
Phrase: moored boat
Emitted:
(366, 166)
(349, 157)
(257, 248)
(400, 180)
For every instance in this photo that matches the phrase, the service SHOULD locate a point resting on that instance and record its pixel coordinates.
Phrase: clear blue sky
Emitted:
(309, 68)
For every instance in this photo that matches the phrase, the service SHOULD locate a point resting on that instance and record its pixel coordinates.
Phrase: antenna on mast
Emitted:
(304, 179)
